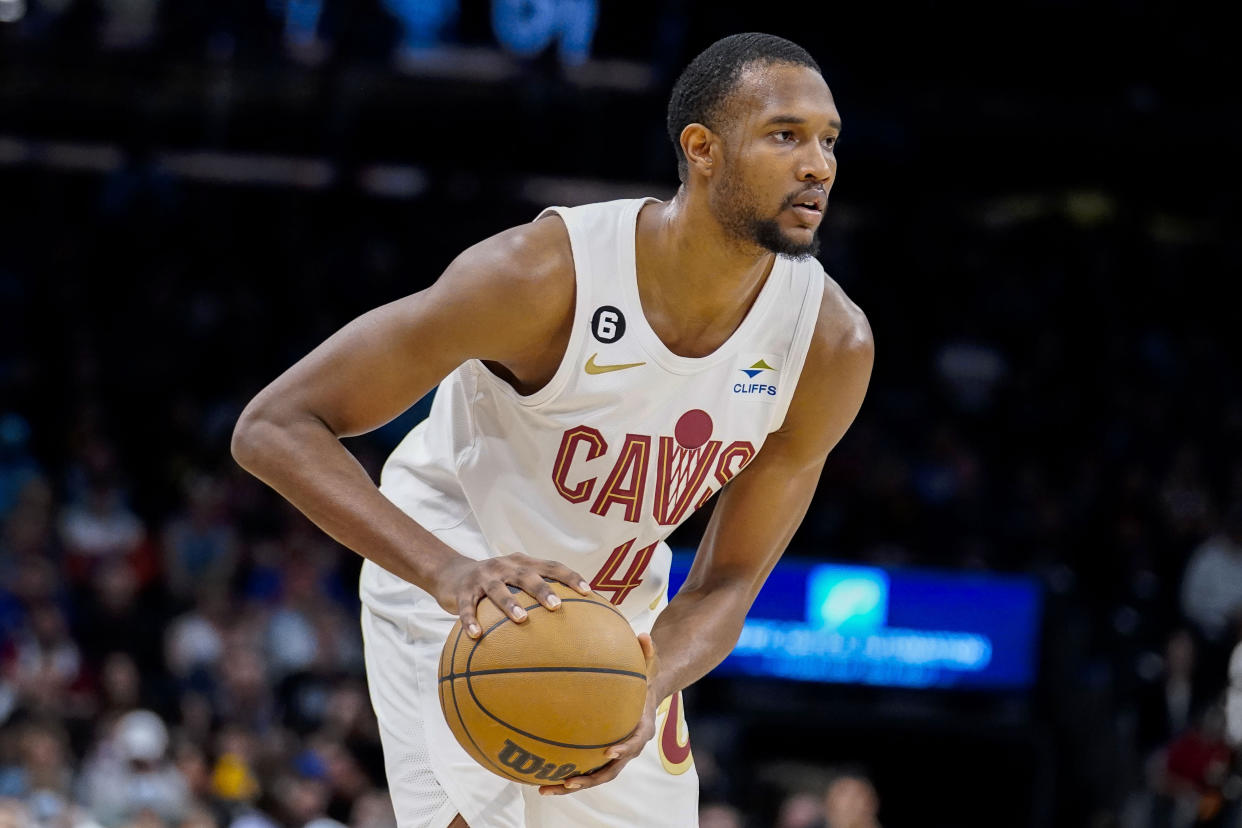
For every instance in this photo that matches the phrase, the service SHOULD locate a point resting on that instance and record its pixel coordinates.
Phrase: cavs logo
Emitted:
(689, 468)
(760, 381)
(674, 736)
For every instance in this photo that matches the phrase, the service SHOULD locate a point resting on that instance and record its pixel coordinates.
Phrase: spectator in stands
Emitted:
(100, 527)
(43, 664)
(191, 761)
(244, 694)
(341, 772)
(194, 641)
(43, 771)
(129, 774)
(1172, 697)
(28, 533)
(120, 686)
(1186, 497)
(17, 467)
(1211, 594)
(804, 809)
(13, 814)
(114, 618)
(851, 801)
(200, 543)
(1189, 782)
(373, 810)
(720, 815)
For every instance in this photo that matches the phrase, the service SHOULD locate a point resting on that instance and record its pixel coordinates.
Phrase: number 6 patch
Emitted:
(608, 324)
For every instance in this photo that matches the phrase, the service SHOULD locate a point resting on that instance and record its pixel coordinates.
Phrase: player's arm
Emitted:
(503, 300)
(755, 518)
(759, 511)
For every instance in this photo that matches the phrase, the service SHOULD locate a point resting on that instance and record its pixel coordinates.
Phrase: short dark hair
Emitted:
(705, 84)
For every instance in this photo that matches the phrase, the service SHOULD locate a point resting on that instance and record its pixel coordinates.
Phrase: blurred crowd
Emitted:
(178, 646)
(184, 673)
(1056, 392)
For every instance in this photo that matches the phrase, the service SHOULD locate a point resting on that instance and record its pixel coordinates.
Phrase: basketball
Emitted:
(541, 701)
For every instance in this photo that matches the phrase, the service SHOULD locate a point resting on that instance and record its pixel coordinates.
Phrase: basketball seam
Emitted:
(497, 719)
(497, 670)
(462, 720)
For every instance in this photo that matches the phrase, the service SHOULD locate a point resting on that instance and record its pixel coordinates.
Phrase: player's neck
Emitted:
(695, 281)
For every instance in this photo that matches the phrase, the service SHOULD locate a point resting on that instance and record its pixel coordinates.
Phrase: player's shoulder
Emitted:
(836, 372)
(524, 273)
(843, 333)
(531, 256)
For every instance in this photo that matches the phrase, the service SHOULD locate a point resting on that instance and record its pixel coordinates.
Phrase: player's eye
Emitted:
(784, 135)
(830, 142)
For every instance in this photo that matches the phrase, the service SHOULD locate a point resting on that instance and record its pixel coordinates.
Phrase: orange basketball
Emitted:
(540, 701)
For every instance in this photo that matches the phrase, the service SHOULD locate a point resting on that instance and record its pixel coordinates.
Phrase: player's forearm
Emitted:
(306, 463)
(695, 632)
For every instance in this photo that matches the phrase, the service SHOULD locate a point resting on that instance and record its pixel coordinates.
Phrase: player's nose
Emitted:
(818, 164)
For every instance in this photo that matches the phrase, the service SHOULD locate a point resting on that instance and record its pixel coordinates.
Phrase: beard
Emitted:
(736, 208)
(767, 233)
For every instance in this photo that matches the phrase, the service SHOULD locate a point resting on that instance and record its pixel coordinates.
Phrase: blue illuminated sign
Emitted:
(847, 599)
(523, 27)
(527, 27)
(423, 22)
(894, 627)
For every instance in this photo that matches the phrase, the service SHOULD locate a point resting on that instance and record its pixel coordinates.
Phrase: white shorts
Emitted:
(432, 779)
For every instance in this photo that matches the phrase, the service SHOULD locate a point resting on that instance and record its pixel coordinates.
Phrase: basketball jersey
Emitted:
(624, 443)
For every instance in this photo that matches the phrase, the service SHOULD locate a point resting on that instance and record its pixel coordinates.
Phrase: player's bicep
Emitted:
(754, 520)
(372, 369)
(493, 302)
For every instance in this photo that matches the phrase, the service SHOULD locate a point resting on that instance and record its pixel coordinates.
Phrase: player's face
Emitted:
(779, 161)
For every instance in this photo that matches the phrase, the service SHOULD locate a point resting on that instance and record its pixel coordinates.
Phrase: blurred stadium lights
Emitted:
(465, 63)
(398, 181)
(485, 65)
(552, 190)
(622, 75)
(274, 170)
(86, 157)
(12, 11)
(13, 151)
(393, 180)
(63, 155)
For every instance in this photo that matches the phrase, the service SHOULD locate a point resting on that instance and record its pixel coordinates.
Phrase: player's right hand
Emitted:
(466, 582)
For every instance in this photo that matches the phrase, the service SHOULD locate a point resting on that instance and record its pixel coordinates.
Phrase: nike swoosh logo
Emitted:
(592, 368)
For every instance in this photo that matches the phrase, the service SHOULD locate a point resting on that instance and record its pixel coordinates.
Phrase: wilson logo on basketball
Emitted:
(522, 761)
(689, 468)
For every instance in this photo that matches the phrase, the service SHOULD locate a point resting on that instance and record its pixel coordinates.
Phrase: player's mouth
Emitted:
(809, 205)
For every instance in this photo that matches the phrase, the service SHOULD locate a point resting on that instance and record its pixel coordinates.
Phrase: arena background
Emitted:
(1037, 207)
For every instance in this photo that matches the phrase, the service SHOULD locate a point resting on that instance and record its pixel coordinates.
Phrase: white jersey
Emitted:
(621, 446)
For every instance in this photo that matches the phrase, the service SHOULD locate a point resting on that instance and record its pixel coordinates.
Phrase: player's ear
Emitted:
(700, 145)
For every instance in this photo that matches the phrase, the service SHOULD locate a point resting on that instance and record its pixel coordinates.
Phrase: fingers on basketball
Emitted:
(559, 572)
(502, 595)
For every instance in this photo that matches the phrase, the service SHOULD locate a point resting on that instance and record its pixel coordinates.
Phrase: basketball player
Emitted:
(603, 372)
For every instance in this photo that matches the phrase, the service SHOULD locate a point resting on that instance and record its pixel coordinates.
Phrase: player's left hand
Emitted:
(622, 752)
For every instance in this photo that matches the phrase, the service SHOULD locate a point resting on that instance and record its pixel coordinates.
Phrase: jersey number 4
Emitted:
(606, 579)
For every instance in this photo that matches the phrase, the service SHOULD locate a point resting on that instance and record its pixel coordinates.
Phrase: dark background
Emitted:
(1037, 207)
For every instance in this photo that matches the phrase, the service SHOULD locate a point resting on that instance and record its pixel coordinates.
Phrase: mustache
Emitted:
(794, 198)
